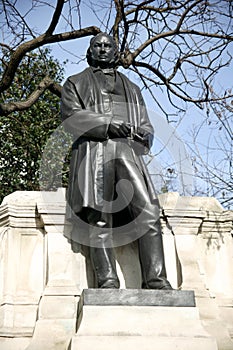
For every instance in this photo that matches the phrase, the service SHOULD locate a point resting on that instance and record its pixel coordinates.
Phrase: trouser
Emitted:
(145, 217)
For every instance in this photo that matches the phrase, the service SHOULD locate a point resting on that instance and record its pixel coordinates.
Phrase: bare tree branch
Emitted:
(179, 45)
(56, 17)
(46, 83)
(28, 46)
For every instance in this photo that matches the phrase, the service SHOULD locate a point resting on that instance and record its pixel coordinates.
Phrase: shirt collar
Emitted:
(105, 71)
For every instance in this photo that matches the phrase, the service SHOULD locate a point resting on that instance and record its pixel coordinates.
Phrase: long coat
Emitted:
(87, 113)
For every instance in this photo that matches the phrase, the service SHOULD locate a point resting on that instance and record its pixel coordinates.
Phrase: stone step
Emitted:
(141, 343)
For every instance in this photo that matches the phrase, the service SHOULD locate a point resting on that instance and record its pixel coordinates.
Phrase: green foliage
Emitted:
(24, 134)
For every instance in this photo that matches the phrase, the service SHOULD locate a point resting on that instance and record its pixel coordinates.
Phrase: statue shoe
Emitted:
(110, 284)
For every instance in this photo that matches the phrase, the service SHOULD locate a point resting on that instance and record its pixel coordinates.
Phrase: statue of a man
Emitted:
(106, 114)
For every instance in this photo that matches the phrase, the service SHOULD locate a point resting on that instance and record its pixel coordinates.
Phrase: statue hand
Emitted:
(143, 141)
(118, 128)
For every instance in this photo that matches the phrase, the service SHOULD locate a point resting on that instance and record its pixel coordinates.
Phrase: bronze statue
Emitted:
(106, 114)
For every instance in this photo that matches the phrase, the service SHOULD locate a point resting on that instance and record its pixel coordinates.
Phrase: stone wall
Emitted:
(43, 273)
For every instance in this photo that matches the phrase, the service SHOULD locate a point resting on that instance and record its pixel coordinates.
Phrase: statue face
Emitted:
(103, 50)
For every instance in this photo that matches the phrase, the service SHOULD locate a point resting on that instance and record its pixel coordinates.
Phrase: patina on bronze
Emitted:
(106, 113)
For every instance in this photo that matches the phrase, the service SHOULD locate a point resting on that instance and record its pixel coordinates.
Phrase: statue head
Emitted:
(102, 51)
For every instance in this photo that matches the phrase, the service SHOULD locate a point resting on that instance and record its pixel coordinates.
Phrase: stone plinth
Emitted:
(139, 319)
(137, 297)
(43, 273)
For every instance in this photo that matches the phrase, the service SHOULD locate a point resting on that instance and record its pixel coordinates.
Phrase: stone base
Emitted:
(139, 319)
(56, 323)
(52, 335)
(43, 274)
(141, 343)
(14, 343)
